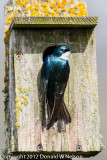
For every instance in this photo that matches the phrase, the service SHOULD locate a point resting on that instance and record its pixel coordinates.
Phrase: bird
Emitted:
(55, 74)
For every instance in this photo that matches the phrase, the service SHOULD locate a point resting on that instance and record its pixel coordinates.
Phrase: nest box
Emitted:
(29, 38)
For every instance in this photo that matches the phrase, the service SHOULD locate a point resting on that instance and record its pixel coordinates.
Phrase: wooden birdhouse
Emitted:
(26, 41)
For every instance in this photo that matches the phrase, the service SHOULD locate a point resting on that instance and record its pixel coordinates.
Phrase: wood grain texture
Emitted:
(81, 96)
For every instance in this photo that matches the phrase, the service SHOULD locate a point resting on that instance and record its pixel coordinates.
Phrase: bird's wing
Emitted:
(58, 103)
(45, 76)
(45, 72)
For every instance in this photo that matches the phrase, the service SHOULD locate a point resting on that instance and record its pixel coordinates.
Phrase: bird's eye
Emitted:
(63, 50)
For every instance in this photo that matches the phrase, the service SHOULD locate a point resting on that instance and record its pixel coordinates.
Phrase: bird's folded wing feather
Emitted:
(58, 102)
(45, 76)
(44, 99)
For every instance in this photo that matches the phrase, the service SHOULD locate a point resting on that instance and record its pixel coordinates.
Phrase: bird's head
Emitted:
(63, 52)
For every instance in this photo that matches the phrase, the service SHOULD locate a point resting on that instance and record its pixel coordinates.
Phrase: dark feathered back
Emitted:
(48, 51)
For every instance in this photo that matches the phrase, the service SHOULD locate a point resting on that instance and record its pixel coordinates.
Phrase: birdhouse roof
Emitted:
(54, 22)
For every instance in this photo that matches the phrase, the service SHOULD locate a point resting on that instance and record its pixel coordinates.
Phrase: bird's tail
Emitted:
(63, 114)
(59, 112)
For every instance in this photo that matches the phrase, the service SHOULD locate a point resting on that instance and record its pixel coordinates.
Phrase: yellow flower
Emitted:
(59, 5)
(64, 9)
(86, 13)
(41, 9)
(46, 10)
(84, 7)
(62, 5)
(46, 15)
(31, 8)
(57, 1)
(71, 10)
(26, 1)
(18, 2)
(53, 13)
(75, 7)
(22, 4)
(72, 2)
(57, 15)
(56, 10)
(39, 14)
(37, 6)
(44, 4)
(52, 5)
(67, 3)
(26, 9)
(81, 9)
(78, 14)
(33, 13)
(80, 4)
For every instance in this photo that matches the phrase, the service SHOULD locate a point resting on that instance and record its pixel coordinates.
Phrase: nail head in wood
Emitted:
(79, 148)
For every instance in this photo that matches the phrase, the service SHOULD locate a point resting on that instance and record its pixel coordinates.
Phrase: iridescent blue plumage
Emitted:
(55, 74)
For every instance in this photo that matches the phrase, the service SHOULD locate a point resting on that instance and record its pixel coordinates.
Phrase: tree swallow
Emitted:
(55, 73)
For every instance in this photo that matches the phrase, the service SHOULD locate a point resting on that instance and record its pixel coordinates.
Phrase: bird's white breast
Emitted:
(65, 55)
